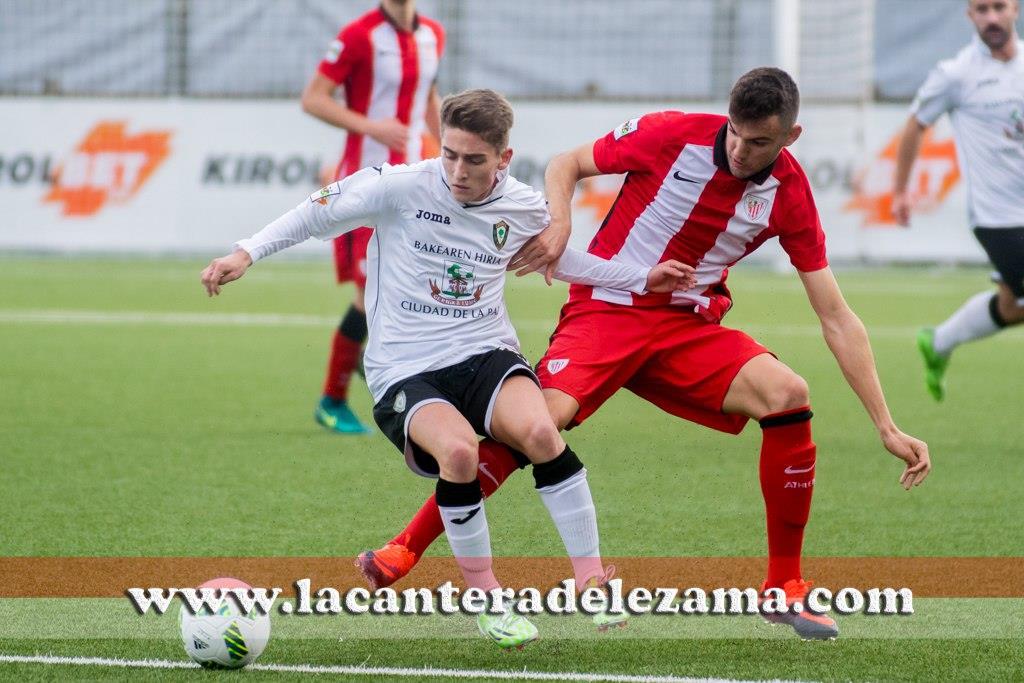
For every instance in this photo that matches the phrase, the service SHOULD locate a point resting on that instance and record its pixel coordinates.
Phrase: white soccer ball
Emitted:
(228, 639)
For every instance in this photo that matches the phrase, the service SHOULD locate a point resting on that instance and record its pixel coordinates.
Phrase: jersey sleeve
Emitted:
(634, 145)
(937, 96)
(580, 267)
(360, 199)
(799, 228)
(346, 53)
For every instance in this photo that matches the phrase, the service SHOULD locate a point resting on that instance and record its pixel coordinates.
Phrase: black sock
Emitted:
(565, 465)
(353, 325)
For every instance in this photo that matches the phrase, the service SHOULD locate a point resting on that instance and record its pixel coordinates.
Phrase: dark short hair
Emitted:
(764, 92)
(482, 112)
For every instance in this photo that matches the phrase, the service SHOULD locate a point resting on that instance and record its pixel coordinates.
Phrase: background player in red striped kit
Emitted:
(386, 63)
(706, 190)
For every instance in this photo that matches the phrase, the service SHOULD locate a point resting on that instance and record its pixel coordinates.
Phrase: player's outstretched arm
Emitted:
(906, 153)
(541, 252)
(224, 270)
(580, 267)
(359, 199)
(848, 340)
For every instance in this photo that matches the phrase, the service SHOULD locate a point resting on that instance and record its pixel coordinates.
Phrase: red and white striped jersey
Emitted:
(386, 73)
(679, 201)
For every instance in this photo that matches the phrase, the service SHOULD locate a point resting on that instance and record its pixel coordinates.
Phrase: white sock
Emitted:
(470, 539)
(572, 508)
(971, 321)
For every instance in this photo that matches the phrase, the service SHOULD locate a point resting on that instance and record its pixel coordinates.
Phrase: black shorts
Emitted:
(470, 386)
(1005, 249)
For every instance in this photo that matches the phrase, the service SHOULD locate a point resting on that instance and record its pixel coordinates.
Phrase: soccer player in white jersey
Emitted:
(443, 361)
(982, 90)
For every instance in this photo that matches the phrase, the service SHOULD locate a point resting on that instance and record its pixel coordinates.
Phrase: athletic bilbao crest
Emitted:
(556, 365)
(457, 281)
(755, 206)
(500, 234)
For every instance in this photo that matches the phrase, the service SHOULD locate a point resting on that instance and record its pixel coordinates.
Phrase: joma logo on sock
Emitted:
(435, 217)
(469, 515)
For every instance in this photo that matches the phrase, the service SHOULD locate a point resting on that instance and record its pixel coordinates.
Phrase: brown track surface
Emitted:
(22, 577)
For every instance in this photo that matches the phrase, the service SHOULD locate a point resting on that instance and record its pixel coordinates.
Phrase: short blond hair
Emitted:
(482, 112)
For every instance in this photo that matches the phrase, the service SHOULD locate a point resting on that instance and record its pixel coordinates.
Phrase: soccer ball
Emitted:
(228, 639)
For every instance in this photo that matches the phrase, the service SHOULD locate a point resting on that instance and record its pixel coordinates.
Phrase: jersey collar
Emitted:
(722, 159)
(394, 25)
(497, 192)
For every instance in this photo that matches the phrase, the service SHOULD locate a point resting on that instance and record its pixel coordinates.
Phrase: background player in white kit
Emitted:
(443, 360)
(982, 89)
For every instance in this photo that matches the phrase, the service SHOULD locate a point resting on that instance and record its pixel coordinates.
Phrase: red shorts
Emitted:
(350, 256)
(667, 355)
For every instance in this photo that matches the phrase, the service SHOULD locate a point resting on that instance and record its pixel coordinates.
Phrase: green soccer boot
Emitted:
(934, 364)
(508, 629)
(338, 417)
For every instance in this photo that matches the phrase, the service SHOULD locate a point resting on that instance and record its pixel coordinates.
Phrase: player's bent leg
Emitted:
(440, 430)
(521, 419)
(333, 411)
(385, 565)
(561, 406)
(765, 386)
(769, 391)
(1009, 307)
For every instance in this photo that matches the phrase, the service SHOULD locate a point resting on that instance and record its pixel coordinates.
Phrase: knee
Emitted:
(542, 440)
(1011, 312)
(789, 393)
(459, 459)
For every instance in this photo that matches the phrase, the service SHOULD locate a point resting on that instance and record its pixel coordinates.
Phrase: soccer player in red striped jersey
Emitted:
(705, 190)
(386, 63)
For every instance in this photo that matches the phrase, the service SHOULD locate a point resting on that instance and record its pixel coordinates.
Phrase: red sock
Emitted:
(787, 483)
(344, 358)
(496, 464)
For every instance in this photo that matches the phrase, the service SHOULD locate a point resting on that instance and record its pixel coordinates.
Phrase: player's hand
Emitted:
(542, 251)
(912, 451)
(671, 276)
(390, 132)
(901, 207)
(224, 270)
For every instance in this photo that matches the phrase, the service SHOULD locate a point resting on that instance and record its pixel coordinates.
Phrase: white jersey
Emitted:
(985, 101)
(435, 266)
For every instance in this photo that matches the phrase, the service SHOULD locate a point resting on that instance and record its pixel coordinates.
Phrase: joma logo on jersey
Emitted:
(435, 217)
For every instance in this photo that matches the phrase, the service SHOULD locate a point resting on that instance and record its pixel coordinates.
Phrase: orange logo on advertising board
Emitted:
(107, 165)
(934, 175)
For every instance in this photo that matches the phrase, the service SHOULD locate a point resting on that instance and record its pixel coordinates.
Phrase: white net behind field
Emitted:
(837, 49)
(664, 50)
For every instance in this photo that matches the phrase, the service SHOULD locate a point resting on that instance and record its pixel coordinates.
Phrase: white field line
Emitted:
(364, 670)
(184, 319)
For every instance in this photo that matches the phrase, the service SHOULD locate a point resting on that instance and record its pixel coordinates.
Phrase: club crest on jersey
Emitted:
(556, 365)
(1016, 131)
(500, 234)
(334, 51)
(627, 128)
(320, 197)
(457, 281)
(754, 206)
